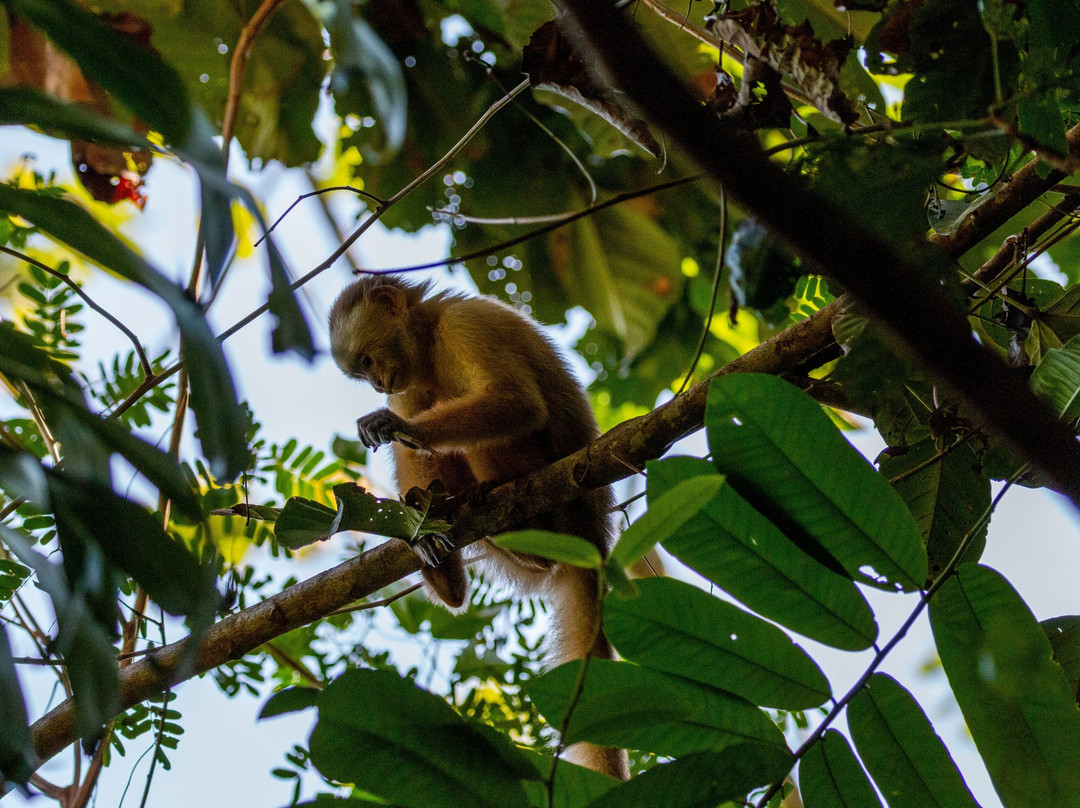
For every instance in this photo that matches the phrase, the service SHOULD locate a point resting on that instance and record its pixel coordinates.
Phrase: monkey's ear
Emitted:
(389, 298)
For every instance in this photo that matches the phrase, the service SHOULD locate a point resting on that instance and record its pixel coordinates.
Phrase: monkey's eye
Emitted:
(365, 361)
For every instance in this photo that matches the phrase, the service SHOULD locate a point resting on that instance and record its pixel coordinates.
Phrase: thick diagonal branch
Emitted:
(899, 289)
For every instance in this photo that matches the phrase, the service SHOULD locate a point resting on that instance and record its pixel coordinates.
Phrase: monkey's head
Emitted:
(370, 338)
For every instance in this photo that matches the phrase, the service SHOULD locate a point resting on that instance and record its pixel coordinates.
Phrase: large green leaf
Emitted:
(831, 777)
(560, 547)
(783, 454)
(702, 779)
(388, 737)
(627, 705)
(221, 422)
(741, 551)
(947, 497)
(1015, 698)
(904, 755)
(675, 627)
(1057, 379)
(1064, 636)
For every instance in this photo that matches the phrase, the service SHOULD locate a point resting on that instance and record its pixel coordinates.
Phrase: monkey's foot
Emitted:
(432, 548)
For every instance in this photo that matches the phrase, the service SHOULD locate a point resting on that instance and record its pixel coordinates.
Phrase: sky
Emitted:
(225, 756)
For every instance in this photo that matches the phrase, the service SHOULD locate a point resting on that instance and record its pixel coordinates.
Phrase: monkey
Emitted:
(477, 395)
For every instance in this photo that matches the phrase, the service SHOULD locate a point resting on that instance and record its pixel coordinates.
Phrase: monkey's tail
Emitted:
(575, 634)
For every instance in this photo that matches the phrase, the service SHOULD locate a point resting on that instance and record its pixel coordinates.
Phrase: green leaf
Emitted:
(290, 700)
(783, 454)
(1064, 636)
(16, 745)
(221, 424)
(559, 547)
(666, 515)
(303, 522)
(831, 777)
(1057, 379)
(741, 551)
(630, 706)
(702, 779)
(367, 80)
(904, 755)
(131, 538)
(388, 737)
(1015, 699)
(947, 497)
(59, 119)
(291, 332)
(675, 627)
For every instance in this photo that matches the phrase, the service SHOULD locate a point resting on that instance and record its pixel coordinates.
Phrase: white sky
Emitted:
(225, 757)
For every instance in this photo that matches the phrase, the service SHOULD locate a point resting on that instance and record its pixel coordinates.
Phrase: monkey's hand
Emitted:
(383, 426)
(432, 548)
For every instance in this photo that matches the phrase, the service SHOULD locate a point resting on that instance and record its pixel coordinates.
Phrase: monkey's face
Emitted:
(371, 344)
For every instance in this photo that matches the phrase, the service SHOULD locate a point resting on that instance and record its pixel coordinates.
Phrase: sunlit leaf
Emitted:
(556, 546)
(666, 515)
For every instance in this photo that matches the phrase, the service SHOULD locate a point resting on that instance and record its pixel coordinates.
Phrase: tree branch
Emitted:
(897, 286)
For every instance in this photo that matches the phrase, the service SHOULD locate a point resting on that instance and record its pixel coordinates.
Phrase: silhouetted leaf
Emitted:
(16, 749)
(675, 627)
(1064, 636)
(904, 755)
(702, 779)
(741, 551)
(783, 454)
(290, 700)
(388, 737)
(831, 777)
(559, 547)
(1015, 699)
(634, 707)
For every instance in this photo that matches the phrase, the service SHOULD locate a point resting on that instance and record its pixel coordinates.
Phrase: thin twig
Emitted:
(89, 301)
(238, 68)
(318, 192)
(712, 297)
(374, 604)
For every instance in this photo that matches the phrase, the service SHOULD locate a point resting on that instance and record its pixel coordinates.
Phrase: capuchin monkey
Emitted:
(477, 395)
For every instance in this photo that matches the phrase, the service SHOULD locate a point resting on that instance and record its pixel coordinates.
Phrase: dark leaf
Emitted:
(783, 454)
(131, 538)
(551, 63)
(290, 700)
(303, 522)
(1015, 699)
(634, 707)
(1064, 636)
(702, 779)
(904, 755)
(388, 737)
(947, 497)
(675, 627)
(741, 551)
(16, 748)
(222, 427)
(831, 777)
